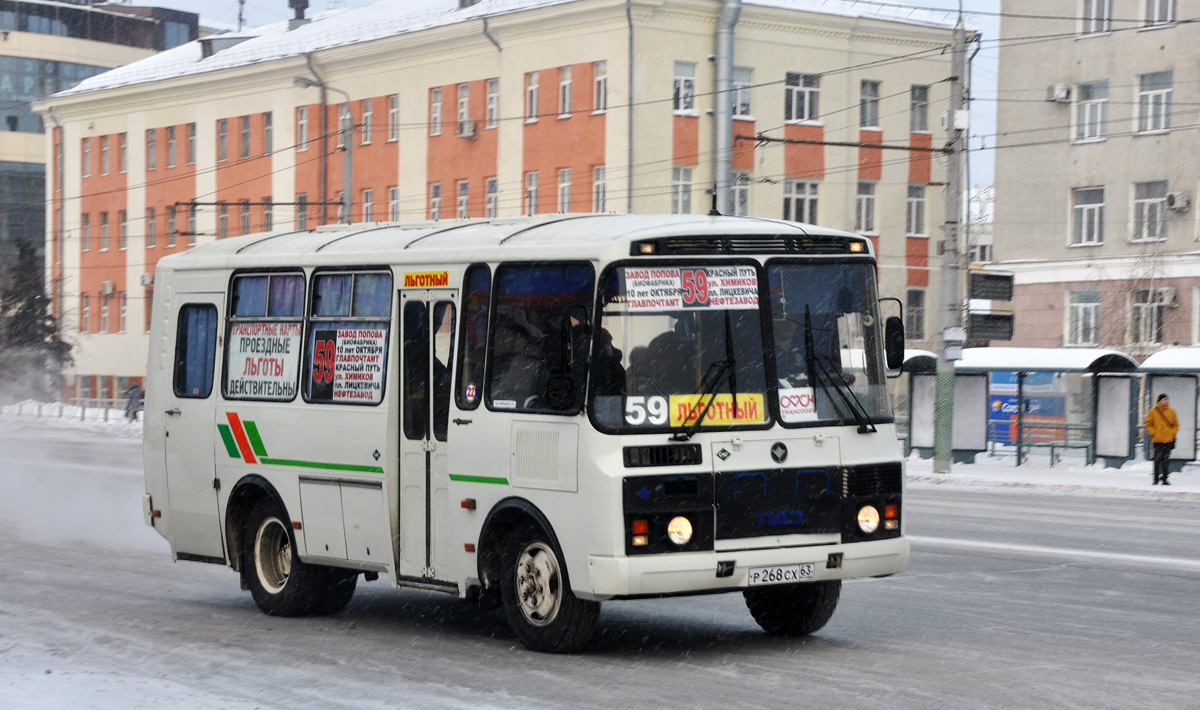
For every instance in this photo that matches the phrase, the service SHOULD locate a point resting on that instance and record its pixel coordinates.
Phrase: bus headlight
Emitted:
(868, 519)
(679, 530)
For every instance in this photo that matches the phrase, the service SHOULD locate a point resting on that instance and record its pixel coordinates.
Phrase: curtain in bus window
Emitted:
(249, 297)
(195, 350)
(416, 370)
(477, 287)
(540, 337)
(286, 297)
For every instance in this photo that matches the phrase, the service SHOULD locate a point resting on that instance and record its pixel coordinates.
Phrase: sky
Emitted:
(982, 15)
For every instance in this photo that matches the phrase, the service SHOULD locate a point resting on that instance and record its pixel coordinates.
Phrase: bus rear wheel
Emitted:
(793, 609)
(280, 583)
(538, 603)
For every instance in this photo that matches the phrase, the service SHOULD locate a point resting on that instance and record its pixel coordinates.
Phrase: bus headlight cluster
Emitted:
(679, 530)
(868, 519)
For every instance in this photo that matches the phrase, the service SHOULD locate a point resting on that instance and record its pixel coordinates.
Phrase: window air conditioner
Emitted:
(107, 288)
(466, 129)
(1167, 296)
(147, 279)
(1059, 93)
(1178, 201)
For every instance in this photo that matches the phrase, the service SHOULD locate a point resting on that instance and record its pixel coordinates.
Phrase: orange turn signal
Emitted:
(891, 511)
(641, 527)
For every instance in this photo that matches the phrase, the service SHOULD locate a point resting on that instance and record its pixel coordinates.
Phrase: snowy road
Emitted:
(1014, 599)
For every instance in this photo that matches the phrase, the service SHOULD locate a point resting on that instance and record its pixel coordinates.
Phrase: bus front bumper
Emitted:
(696, 572)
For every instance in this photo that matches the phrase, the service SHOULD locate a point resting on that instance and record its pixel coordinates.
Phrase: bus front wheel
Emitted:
(793, 609)
(538, 603)
(280, 583)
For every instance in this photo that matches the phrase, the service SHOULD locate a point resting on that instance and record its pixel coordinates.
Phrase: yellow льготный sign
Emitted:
(686, 408)
(426, 279)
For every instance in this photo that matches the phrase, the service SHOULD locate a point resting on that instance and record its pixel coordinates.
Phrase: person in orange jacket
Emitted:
(1162, 425)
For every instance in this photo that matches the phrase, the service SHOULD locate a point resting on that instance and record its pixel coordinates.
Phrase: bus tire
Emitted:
(336, 591)
(538, 603)
(280, 583)
(793, 609)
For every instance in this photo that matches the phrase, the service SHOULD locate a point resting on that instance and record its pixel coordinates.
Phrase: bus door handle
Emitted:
(461, 422)
(174, 412)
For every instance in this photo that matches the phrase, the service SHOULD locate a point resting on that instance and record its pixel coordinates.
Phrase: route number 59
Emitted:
(645, 410)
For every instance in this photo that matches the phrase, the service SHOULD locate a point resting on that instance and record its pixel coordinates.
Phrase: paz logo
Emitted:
(723, 454)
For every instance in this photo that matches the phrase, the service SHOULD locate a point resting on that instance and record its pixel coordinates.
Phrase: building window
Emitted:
(171, 226)
(435, 112)
(368, 116)
(435, 201)
(191, 144)
(122, 230)
(868, 105)
(192, 232)
(268, 133)
(302, 129)
(600, 87)
(1082, 325)
(742, 79)
(918, 115)
(103, 231)
(1149, 211)
(801, 95)
(1160, 12)
(531, 192)
(302, 211)
(1097, 16)
(394, 204)
(85, 313)
(85, 158)
(599, 190)
(368, 205)
(564, 92)
(1154, 102)
(245, 136)
(462, 199)
(914, 214)
(103, 313)
(245, 217)
(1087, 215)
(464, 107)
(491, 206)
(152, 149)
(741, 194)
(104, 155)
(123, 154)
(800, 201)
(124, 312)
(681, 190)
(685, 87)
(564, 190)
(864, 208)
(343, 209)
(170, 146)
(492, 112)
(393, 118)
(1091, 111)
(914, 315)
(345, 125)
(1147, 311)
(222, 220)
(222, 140)
(85, 232)
(268, 214)
(151, 228)
(531, 97)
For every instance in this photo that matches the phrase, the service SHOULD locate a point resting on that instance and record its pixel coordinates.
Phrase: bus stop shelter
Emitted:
(1108, 432)
(1175, 372)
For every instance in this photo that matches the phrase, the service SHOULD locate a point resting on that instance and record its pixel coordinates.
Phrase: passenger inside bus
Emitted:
(518, 359)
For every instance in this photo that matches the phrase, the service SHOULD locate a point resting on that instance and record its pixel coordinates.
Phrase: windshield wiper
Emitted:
(707, 389)
(815, 366)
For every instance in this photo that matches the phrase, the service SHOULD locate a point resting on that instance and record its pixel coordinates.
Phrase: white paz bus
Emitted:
(539, 413)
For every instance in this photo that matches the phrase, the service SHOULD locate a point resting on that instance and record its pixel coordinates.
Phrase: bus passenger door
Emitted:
(190, 435)
(427, 345)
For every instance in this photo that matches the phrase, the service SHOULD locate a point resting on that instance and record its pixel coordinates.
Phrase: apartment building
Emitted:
(493, 109)
(1099, 104)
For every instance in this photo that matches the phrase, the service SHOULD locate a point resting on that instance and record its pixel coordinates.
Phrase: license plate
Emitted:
(787, 574)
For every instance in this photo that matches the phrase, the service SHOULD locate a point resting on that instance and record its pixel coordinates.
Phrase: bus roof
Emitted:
(550, 237)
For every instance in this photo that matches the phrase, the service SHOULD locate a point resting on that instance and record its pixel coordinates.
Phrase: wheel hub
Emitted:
(539, 584)
(273, 555)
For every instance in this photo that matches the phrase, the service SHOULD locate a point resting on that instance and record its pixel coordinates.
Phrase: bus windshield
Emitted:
(828, 358)
(672, 341)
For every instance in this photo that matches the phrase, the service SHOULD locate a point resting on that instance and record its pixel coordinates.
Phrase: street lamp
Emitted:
(346, 130)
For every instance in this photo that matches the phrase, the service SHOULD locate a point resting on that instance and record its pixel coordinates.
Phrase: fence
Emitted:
(81, 408)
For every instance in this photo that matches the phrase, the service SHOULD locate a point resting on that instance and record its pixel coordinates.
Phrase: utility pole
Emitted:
(950, 312)
(241, 9)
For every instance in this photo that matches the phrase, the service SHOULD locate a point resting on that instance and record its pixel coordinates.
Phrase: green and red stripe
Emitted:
(242, 441)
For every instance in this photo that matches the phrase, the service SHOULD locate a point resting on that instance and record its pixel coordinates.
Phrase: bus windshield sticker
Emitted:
(347, 365)
(651, 290)
(797, 405)
(426, 279)
(685, 408)
(263, 360)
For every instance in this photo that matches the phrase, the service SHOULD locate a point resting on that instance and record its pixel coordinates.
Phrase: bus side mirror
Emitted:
(893, 342)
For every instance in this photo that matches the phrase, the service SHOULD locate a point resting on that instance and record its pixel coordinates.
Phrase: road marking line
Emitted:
(1174, 562)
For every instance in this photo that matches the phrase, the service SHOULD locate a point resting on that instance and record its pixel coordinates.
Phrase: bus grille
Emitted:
(669, 455)
(872, 480)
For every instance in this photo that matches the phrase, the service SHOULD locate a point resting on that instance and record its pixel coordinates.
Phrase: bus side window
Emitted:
(443, 346)
(195, 350)
(477, 290)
